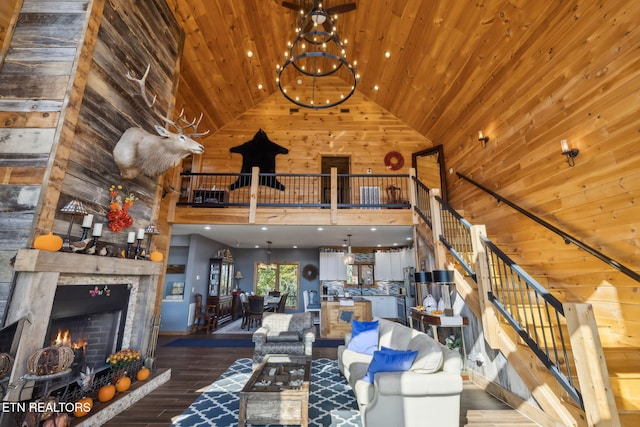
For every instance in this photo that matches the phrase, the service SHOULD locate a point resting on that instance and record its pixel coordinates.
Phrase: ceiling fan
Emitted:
(319, 15)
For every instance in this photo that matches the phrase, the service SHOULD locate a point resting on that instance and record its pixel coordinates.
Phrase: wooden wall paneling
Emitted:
(125, 42)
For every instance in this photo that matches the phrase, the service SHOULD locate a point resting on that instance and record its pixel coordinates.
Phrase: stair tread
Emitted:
(504, 417)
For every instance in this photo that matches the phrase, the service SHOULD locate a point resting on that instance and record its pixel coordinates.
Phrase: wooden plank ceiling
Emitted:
(443, 53)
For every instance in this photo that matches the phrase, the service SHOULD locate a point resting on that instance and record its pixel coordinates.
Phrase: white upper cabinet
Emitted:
(332, 266)
(390, 265)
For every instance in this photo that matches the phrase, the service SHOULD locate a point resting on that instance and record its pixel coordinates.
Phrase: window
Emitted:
(279, 276)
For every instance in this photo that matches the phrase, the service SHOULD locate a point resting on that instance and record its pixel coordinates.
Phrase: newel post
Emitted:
(440, 250)
(488, 314)
(253, 195)
(591, 367)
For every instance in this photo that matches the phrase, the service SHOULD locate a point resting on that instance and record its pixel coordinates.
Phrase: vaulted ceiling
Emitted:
(444, 53)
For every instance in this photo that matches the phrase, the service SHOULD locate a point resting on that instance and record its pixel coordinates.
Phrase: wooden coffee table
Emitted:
(277, 392)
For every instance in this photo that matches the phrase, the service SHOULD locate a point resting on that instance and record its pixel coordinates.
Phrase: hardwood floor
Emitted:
(195, 368)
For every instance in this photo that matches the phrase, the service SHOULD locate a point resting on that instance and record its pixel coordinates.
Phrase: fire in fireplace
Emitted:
(90, 322)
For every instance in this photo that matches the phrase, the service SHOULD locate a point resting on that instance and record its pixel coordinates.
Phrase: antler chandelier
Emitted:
(316, 52)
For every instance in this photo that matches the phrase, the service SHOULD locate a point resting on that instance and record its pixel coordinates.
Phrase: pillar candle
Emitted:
(140, 233)
(87, 221)
(131, 237)
(97, 230)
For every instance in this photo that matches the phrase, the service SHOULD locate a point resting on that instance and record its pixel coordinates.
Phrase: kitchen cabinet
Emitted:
(332, 266)
(220, 287)
(389, 266)
(383, 306)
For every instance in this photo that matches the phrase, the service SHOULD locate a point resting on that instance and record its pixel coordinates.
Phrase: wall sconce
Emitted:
(483, 139)
(571, 153)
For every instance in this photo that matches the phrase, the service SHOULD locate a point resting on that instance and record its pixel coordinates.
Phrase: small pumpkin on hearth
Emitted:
(156, 256)
(83, 407)
(123, 384)
(48, 242)
(143, 374)
(106, 392)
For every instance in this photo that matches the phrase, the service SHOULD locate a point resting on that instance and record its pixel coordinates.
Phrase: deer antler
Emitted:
(189, 124)
(142, 83)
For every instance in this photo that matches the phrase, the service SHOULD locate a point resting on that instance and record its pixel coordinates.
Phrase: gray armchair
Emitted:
(283, 333)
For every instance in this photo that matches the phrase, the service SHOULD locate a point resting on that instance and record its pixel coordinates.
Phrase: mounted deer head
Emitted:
(139, 151)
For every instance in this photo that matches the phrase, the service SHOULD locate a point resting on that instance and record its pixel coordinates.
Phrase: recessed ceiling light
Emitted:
(295, 246)
(373, 229)
(387, 54)
(395, 244)
(379, 245)
(259, 86)
(263, 228)
(256, 246)
(320, 228)
(249, 53)
(376, 88)
(409, 238)
(207, 227)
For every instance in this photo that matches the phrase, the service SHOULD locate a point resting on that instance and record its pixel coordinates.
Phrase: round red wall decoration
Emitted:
(393, 160)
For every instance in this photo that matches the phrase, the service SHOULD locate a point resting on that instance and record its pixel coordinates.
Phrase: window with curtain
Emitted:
(279, 276)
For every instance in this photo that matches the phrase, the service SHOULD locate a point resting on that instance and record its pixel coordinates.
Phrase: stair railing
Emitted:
(568, 239)
(536, 315)
(539, 319)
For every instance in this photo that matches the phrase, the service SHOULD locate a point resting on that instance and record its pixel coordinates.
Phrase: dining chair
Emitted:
(204, 316)
(244, 308)
(313, 305)
(282, 303)
(255, 310)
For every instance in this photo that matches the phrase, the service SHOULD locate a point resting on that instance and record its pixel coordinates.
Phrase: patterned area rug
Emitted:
(331, 400)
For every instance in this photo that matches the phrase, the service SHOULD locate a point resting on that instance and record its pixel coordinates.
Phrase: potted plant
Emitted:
(453, 343)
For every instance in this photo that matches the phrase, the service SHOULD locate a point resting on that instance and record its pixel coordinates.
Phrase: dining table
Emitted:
(271, 303)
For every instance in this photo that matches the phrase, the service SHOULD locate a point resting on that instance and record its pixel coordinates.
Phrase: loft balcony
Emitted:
(295, 199)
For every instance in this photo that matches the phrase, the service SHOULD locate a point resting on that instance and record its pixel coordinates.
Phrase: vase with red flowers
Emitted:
(118, 214)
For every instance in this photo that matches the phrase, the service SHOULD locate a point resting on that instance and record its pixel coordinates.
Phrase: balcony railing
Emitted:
(370, 191)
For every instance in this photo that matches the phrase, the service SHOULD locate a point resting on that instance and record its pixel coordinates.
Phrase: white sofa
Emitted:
(428, 394)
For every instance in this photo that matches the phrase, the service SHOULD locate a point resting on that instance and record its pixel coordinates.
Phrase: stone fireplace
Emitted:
(111, 298)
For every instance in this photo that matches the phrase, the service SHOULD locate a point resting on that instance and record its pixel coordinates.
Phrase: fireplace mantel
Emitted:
(32, 260)
(39, 273)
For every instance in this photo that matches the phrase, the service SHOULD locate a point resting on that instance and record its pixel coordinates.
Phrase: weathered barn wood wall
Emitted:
(65, 101)
(34, 79)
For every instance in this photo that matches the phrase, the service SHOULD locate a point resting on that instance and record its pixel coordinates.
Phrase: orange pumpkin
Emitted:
(106, 392)
(123, 384)
(143, 374)
(48, 242)
(156, 256)
(83, 407)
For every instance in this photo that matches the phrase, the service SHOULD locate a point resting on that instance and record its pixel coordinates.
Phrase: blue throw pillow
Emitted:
(364, 337)
(389, 360)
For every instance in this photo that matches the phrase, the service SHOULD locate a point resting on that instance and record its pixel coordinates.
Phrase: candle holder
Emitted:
(85, 231)
(74, 207)
(129, 246)
(150, 231)
(137, 255)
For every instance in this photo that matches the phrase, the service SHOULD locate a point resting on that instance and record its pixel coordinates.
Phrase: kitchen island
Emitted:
(338, 313)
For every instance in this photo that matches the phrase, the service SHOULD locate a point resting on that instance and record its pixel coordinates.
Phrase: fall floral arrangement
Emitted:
(123, 358)
(118, 214)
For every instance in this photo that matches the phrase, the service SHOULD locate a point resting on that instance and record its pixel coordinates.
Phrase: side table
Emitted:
(435, 322)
